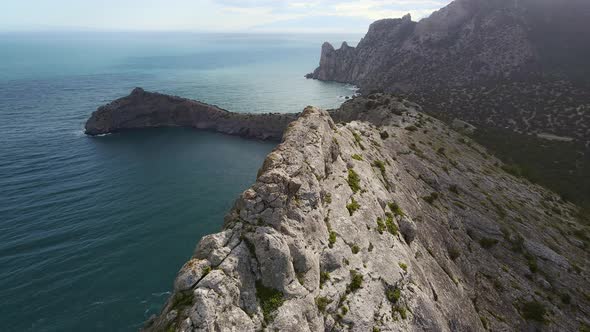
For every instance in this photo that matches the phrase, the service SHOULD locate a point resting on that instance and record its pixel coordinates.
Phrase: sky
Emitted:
(207, 15)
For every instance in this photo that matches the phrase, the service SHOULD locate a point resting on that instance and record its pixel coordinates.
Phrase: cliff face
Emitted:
(143, 109)
(385, 221)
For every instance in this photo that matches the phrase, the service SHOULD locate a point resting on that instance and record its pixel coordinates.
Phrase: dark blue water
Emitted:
(93, 230)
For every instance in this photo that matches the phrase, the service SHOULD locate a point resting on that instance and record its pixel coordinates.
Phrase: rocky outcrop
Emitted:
(385, 220)
(143, 109)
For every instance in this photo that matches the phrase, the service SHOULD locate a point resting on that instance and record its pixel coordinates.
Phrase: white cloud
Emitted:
(207, 15)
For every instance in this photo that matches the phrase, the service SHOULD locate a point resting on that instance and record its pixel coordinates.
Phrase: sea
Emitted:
(94, 229)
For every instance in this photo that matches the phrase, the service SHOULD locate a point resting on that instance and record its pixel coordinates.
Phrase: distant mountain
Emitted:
(516, 64)
(466, 42)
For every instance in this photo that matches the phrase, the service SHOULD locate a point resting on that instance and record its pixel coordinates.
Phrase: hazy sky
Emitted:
(207, 15)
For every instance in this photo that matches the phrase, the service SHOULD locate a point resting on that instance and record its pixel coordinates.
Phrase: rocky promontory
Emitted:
(142, 109)
(377, 217)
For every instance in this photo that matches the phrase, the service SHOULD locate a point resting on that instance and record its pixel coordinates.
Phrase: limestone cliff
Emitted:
(143, 109)
(385, 220)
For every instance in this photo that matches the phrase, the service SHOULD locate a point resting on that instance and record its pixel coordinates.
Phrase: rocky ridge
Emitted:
(377, 217)
(143, 109)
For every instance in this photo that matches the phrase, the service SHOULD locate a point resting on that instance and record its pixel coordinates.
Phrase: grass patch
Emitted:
(324, 277)
(401, 311)
(270, 300)
(358, 140)
(395, 209)
(381, 165)
(331, 239)
(403, 266)
(390, 224)
(353, 206)
(354, 181)
(357, 157)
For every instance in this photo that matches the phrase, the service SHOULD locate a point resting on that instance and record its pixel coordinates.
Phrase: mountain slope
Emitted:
(376, 217)
(517, 64)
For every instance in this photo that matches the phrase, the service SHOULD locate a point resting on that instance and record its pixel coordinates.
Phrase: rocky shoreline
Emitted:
(142, 109)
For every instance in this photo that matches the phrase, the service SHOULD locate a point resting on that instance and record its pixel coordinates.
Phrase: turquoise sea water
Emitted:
(93, 230)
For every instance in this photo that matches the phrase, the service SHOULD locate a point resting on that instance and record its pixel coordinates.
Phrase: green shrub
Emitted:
(356, 281)
(454, 253)
(534, 310)
(322, 303)
(395, 209)
(403, 266)
(391, 226)
(531, 262)
(401, 311)
(381, 165)
(354, 181)
(183, 299)
(352, 206)
(384, 135)
(344, 310)
(324, 276)
(355, 249)
(357, 157)
(358, 140)
(393, 294)
(431, 198)
(270, 300)
(331, 239)
(454, 189)
(487, 242)
(206, 270)
(328, 198)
